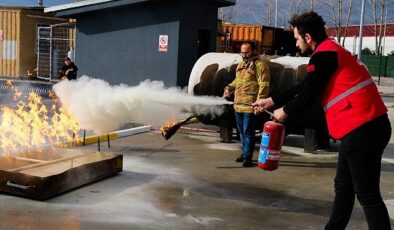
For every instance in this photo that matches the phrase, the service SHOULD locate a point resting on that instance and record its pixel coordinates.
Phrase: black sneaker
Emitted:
(241, 158)
(248, 162)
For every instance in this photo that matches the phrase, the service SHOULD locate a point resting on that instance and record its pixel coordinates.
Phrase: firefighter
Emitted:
(251, 82)
(355, 114)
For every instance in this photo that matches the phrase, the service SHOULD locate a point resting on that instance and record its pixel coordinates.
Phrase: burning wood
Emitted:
(171, 127)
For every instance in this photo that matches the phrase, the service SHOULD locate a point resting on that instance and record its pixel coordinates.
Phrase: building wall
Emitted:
(9, 42)
(121, 45)
(195, 16)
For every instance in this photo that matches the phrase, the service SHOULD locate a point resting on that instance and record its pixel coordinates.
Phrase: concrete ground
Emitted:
(192, 182)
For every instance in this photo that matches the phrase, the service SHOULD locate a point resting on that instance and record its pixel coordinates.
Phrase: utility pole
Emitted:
(361, 29)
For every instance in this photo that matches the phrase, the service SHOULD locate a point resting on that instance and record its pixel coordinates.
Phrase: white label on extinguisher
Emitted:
(273, 156)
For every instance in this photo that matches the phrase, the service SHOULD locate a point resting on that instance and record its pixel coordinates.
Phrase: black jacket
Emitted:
(302, 95)
(71, 74)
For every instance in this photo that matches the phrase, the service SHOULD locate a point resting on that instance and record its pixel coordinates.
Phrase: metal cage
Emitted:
(54, 43)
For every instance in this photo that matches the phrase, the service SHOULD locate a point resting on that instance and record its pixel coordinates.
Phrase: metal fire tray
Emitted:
(44, 175)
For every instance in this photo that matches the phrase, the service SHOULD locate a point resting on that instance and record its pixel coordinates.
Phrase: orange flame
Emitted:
(167, 125)
(29, 126)
(9, 83)
(52, 95)
(17, 94)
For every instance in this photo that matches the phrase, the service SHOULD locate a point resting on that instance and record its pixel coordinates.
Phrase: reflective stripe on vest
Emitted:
(347, 93)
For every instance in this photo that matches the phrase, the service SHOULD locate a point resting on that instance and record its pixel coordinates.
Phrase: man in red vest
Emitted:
(355, 114)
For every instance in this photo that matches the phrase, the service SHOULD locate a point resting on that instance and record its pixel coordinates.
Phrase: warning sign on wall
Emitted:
(163, 43)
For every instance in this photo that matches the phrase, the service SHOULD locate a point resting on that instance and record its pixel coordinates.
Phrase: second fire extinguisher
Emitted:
(271, 145)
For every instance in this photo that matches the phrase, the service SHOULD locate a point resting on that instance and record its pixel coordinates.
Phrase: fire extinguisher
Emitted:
(271, 145)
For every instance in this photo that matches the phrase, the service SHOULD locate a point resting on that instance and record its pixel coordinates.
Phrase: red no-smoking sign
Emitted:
(163, 43)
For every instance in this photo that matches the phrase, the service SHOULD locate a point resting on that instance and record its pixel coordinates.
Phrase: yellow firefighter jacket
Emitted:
(251, 82)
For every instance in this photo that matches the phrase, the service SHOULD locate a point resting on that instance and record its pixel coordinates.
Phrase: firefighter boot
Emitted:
(248, 161)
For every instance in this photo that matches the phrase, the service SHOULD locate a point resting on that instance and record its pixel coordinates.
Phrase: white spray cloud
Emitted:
(100, 107)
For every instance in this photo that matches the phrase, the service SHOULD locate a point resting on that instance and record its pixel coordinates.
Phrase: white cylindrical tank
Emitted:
(224, 60)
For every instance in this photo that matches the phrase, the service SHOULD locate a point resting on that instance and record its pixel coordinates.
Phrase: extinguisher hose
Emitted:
(250, 104)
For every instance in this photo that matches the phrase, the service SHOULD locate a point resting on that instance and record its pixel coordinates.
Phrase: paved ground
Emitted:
(192, 182)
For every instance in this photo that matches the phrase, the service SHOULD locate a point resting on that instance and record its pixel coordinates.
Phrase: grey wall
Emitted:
(195, 16)
(121, 45)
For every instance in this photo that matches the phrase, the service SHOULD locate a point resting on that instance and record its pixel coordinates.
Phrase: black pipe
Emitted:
(98, 143)
(84, 137)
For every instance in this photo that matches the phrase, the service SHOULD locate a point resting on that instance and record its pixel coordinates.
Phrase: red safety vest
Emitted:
(351, 97)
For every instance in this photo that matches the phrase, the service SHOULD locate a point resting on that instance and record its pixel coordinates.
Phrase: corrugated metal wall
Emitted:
(241, 32)
(9, 42)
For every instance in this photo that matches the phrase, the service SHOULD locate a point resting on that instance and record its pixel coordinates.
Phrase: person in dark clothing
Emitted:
(355, 114)
(69, 70)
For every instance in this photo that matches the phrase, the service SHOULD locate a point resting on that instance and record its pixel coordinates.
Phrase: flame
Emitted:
(17, 94)
(52, 95)
(167, 125)
(171, 127)
(32, 73)
(29, 126)
(9, 83)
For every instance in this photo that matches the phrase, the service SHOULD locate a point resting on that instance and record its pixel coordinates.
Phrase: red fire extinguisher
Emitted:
(271, 145)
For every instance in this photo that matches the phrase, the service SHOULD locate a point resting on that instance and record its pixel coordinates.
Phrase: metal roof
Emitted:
(93, 5)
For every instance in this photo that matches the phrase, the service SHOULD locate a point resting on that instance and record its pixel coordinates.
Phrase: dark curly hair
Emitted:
(310, 23)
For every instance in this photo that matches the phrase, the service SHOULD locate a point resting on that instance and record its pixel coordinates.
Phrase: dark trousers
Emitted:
(246, 128)
(358, 173)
